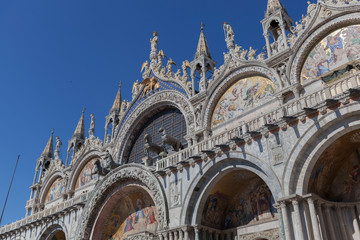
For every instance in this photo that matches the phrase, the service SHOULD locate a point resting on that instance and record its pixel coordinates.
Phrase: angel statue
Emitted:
(147, 70)
(154, 42)
(150, 84)
(229, 36)
(135, 89)
(185, 66)
(169, 67)
(251, 54)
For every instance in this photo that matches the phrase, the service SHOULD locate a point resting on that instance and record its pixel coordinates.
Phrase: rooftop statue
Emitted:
(57, 148)
(92, 125)
(146, 69)
(169, 67)
(154, 42)
(229, 36)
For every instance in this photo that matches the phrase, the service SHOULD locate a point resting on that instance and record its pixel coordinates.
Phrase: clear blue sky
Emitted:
(57, 56)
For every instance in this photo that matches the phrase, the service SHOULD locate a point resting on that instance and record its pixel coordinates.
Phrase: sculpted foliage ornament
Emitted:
(130, 173)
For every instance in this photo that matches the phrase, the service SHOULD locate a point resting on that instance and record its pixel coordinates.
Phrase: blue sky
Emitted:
(57, 56)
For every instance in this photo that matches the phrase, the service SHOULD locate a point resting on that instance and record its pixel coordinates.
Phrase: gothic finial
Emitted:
(120, 84)
(80, 128)
(202, 48)
(52, 132)
(202, 26)
(49, 148)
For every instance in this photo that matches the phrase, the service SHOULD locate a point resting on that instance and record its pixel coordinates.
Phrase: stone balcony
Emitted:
(340, 91)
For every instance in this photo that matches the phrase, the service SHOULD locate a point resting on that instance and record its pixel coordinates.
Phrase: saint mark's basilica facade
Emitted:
(266, 146)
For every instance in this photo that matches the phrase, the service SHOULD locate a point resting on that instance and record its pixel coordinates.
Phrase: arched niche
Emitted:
(333, 56)
(129, 211)
(169, 118)
(246, 93)
(336, 174)
(55, 191)
(86, 175)
(226, 206)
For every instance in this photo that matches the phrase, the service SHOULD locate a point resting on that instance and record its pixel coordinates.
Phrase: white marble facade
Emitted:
(267, 148)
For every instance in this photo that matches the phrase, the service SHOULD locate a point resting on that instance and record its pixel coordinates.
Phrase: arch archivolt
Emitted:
(213, 171)
(126, 174)
(220, 87)
(313, 37)
(158, 100)
(51, 228)
(313, 142)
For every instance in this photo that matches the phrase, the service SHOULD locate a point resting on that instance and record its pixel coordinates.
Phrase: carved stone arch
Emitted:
(221, 85)
(212, 171)
(273, 18)
(312, 37)
(78, 166)
(48, 231)
(158, 100)
(123, 174)
(49, 181)
(313, 142)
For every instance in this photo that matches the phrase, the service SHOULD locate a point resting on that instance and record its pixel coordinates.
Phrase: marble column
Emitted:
(176, 236)
(161, 237)
(186, 234)
(315, 224)
(197, 234)
(165, 235)
(300, 230)
(181, 235)
(266, 36)
(342, 223)
(171, 236)
(321, 221)
(355, 223)
(286, 220)
(330, 221)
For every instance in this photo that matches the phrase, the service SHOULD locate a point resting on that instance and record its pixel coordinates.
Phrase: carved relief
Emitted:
(175, 193)
(272, 234)
(276, 150)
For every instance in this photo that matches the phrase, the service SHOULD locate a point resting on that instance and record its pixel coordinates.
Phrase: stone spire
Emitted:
(273, 6)
(49, 148)
(202, 47)
(117, 102)
(77, 139)
(115, 113)
(202, 63)
(80, 128)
